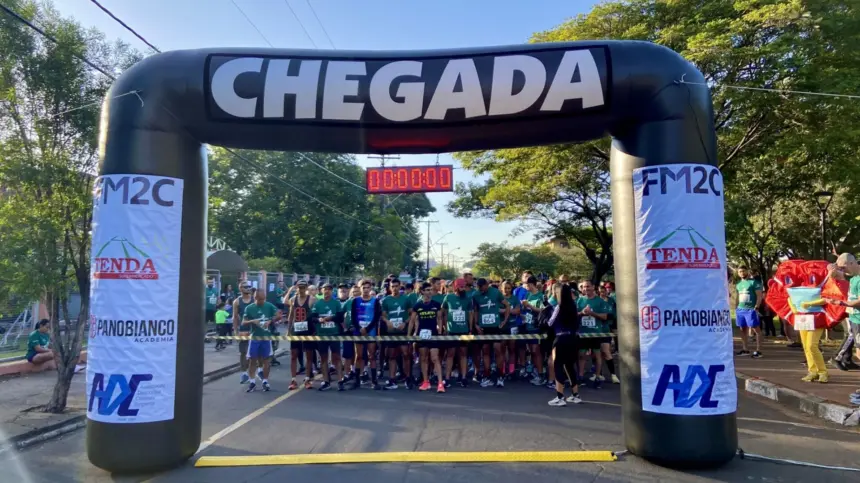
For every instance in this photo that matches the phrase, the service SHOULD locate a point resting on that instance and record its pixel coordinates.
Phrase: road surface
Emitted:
(515, 418)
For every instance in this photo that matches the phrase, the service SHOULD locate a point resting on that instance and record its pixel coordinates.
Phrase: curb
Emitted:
(807, 403)
(23, 441)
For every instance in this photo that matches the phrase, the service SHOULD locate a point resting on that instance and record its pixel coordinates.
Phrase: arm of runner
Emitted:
(440, 325)
(413, 316)
(236, 316)
(507, 308)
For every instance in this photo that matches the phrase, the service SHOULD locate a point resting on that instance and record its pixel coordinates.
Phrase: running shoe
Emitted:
(244, 378)
(756, 354)
(615, 379)
(425, 386)
(742, 353)
(440, 388)
(266, 387)
(260, 372)
(557, 401)
(340, 387)
(550, 384)
(308, 384)
(325, 386)
(251, 386)
(523, 373)
(410, 384)
(487, 382)
(447, 383)
(464, 382)
(500, 382)
(574, 399)
(537, 381)
(376, 386)
(293, 385)
(391, 385)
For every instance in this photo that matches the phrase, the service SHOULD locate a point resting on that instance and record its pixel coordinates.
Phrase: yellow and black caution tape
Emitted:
(409, 457)
(387, 338)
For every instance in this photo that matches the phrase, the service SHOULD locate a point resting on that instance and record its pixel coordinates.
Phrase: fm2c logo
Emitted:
(684, 396)
(103, 396)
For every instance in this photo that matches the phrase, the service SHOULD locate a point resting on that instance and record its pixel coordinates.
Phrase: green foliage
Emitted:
(49, 118)
(500, 261)
(444, 272)
(775, 149)
(260, 216)
(270, 264)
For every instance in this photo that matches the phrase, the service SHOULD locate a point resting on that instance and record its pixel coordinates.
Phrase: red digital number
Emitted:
(373, 180)
(431, 178)
(402, 179)
(415, 179)
(445, 178)
(387, 182)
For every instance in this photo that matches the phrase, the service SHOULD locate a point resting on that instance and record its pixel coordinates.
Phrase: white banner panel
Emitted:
(134, 298)
(685, 332)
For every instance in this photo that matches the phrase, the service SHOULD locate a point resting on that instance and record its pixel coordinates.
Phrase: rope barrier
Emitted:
(405, 338)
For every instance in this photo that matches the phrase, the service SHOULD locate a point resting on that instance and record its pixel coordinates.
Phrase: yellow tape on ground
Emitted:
(403, 338)
(409, 457)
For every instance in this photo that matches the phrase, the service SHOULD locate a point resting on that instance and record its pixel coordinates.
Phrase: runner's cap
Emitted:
(460, 283)
(302, 282)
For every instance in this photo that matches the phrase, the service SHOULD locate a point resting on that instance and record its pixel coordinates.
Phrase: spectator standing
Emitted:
(746, 314)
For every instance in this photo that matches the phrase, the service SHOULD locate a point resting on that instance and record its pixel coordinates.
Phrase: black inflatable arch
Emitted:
(405, 102)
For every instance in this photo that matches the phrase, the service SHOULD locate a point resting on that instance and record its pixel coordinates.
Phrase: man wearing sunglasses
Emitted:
(242, 329)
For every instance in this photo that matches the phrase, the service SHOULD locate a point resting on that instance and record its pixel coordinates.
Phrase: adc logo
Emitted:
(120, 259)
(121, 404)
(650, 317)
(682, 252)
(670, 379)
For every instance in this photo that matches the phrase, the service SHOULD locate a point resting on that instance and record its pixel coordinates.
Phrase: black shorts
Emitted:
(296, 345)
(324, 346)
(492, 331)
(590, 343)
(528, 342)
(430, 344)
(394, 345)
(566, 357)
(454, 344)
(512, 329)
(210, 315)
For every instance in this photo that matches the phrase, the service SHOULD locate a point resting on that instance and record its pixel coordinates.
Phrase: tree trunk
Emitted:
(67, 358)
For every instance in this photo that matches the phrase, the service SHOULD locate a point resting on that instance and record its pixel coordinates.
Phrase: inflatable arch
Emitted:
(144, 379)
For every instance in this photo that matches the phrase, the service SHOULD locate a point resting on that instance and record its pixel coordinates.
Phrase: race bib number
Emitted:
(425, 334)
(589, 322)
(213, 299)
(529, 319)
(458, 315)
(397, 323)
(744, 298)
(804, 322)
(301, 326)
(488, 319)
(363, 323)
(515, 330)
(327, 325)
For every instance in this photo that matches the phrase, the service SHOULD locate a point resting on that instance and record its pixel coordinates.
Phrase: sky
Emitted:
(341, 24)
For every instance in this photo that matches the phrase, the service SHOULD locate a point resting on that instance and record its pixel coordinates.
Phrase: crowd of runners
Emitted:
(562, 331)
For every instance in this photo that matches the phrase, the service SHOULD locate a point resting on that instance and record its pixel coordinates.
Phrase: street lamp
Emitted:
(823, 199)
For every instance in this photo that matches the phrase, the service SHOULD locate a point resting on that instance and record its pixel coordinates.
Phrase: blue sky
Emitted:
(365, 24)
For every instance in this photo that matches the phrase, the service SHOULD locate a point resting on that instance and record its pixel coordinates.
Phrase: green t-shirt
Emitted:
(854, 294)
(267, 312)
(438, 298)
(458, 309)
(488, 306)
(530, 319)
(746, 293)
(412, 299)
(211, 298)
(397, 311)
(221, 317)
(36, 338)
(327, 308)
(590, 324)
(514, 302)
(346, 308)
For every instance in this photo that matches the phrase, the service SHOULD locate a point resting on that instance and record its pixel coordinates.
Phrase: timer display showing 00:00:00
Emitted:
(412, 179)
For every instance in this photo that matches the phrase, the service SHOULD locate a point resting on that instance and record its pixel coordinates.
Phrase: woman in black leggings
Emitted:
(565, 324)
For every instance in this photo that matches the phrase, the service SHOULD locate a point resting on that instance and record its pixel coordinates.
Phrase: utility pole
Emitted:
(428, 242)
(382, 158)
(442, 257)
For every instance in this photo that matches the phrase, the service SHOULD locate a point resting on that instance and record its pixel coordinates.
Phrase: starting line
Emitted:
(406, 338)
(410, 457)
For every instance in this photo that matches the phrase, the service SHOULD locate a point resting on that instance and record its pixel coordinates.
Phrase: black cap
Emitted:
(482, 282)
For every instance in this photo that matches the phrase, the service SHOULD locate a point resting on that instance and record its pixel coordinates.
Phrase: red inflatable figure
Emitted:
(806, 274)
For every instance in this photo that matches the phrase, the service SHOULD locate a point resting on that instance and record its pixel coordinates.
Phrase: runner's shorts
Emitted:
(306, 345)
(512, 329)
(323, 347)
(348, 349)
(747, 318)
(259, 349)
(589, 344)
(528, 342)
(395, 345)
(492, 331)
(454, 344)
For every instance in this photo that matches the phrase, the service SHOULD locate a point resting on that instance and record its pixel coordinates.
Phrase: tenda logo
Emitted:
(680, 249)
(119, 259)
(402, 91)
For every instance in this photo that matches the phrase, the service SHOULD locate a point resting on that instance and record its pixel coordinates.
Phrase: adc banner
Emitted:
(134, 298)
(685, 332)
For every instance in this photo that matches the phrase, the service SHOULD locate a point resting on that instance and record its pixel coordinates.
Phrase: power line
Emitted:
(778, 91)
(26, 22)
(302, 25)
(308, 158)
(321, 24)
(111, 15)
(251, 22)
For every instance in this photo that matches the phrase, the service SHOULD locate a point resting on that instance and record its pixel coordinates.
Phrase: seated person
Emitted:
(37, 344)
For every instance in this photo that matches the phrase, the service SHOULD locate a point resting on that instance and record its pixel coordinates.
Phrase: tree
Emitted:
(503, 262)
(774, 147)
(49, 113)
(444, 272)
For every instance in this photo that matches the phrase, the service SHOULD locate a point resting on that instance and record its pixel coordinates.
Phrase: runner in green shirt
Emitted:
(222, 327)
(746, 314)
(594, 314)
(438, 296)
(491, 312)
(212, 300)
(459, 320)
(326, 311)
(348, 347)
(260, 316)
(531, 308)
(395, 321)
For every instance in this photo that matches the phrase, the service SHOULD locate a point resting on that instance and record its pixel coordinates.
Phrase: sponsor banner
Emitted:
(685, 331)
(134, 298)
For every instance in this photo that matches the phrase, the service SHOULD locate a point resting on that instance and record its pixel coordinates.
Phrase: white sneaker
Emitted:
(486, 382)
(615, 379)
(573, 399)
(500, 382)
(537, 381)
(557, 402)
(601, 378)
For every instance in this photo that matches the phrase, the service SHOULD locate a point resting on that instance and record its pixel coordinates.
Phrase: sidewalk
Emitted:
(20, 398)
(776, 376)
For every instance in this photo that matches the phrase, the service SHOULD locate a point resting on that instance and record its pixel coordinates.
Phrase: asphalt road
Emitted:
(515, 418)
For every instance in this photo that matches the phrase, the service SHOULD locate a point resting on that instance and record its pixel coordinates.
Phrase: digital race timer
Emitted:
(410, 179)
